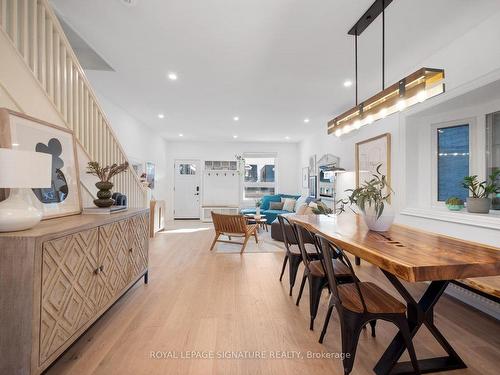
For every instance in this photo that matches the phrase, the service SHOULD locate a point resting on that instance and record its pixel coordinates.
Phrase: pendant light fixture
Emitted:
(415, 88)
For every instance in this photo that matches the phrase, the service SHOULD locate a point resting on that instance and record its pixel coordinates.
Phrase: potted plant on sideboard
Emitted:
(373, 200)
(480, 201)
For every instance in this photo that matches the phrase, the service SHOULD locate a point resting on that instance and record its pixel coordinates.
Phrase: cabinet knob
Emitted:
(98, 270)
(130, 250)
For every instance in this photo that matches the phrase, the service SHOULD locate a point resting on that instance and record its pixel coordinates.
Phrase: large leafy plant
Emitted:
(374, 194)
(482, 189)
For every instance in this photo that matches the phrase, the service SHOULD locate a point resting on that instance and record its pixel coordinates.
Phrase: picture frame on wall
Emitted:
(150, 174)
(369, 154)
(305, 177)
(21, 132)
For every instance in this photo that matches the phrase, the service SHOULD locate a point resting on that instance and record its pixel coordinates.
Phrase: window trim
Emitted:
(274, 184)
(471, 121)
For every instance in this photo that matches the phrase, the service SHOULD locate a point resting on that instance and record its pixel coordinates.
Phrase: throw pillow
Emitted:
(289, 204)
(276, 206)
(300, 201)
(300, 210)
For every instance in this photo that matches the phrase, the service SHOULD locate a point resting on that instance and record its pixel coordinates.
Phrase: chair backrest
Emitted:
(289, 236)
(332, 252)
(301, 235)
(229, 223)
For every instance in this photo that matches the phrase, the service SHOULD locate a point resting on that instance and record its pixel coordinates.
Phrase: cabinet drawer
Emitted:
(69, 297)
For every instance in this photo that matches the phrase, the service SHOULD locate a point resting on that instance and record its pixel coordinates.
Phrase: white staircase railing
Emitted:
(35, 32)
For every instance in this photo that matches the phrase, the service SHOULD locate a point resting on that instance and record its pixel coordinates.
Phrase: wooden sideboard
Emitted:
(59, 277)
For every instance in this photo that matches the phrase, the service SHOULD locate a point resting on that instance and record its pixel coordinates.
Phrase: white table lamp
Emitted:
(20, 171)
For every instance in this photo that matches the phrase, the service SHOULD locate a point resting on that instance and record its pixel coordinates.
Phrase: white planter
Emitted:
(257, 211)
(381, 224)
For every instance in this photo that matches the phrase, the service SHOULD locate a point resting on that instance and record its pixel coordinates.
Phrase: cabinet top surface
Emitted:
(70, 223)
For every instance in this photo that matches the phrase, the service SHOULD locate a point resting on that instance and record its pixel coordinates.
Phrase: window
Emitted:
(452, 161)
(187, 169)
(492, 142)
(259, 177)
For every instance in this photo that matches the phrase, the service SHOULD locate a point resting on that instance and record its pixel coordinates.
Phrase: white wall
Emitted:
(286, 162)
(471, 58)
(139, 142)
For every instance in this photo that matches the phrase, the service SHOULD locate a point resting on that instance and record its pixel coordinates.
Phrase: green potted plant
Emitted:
(373, 200)
(454, 204)
(479, 202)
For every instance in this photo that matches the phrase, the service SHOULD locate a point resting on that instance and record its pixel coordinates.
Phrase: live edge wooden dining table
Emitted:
(409, 254)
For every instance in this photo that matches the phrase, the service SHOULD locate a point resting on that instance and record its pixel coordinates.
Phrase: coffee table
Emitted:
(261, 221)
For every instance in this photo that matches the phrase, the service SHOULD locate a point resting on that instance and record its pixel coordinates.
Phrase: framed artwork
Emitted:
(150, 174)
(371, 153)
(23, 132)
(305, 177)
(312, 165)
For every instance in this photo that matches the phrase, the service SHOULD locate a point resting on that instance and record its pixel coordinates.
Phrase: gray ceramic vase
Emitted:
(478, 205)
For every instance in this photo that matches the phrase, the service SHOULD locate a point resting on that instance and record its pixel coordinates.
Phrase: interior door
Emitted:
(187, 189)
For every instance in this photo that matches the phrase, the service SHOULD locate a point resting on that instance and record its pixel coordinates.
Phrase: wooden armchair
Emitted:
(233, 226)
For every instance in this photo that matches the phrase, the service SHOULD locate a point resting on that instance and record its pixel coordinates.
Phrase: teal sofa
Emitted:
(271, 215)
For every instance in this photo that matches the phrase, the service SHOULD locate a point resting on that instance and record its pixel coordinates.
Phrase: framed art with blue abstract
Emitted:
(22, 132)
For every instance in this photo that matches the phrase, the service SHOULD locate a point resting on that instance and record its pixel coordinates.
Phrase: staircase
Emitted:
(36, 34)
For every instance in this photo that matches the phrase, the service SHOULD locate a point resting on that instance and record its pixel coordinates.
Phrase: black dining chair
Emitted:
(358, 303)
(314, 273)
(292, 251)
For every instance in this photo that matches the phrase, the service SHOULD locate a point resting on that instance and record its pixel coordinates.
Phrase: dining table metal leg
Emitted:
(419, 313)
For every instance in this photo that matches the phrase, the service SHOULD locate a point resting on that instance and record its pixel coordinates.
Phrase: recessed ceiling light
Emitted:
(236, 118)
(172, 76)
(181, 135)
(161, 115)
(306, 120)
(348, 83)
(235, 136)
(287, 137)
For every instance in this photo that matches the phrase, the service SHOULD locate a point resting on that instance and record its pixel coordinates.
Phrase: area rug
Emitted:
(266, 245)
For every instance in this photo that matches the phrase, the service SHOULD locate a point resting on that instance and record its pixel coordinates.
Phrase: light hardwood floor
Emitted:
(202, 301)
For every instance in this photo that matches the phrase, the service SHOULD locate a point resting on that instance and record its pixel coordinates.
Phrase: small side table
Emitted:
(261, 221)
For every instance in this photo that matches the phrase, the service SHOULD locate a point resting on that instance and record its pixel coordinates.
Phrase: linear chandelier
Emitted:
(419, 86)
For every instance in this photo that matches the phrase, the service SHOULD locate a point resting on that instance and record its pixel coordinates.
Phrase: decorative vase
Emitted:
(380, 224)
(495, 203)
(257, 211)
(478, 205)
(104, 194)
(455, 207)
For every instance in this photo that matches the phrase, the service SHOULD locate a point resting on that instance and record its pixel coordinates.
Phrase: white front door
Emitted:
(187, 189)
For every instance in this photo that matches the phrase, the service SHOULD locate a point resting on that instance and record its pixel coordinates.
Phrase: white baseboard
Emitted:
(475, 300)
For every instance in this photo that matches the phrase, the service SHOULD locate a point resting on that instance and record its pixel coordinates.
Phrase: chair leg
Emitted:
(351, 328)
(244, 244)
(215, 241)
(402, 324)
(325, 325)
(293, 269)
(373, 324)
(302, 284)
(284, 266)
(315, 288)
(255, 235)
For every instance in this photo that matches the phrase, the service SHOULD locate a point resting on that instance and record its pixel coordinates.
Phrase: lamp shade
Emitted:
(25, 169)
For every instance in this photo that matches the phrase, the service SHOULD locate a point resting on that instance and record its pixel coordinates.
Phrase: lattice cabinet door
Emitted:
(139, 240)
(69, 280)
(113, 260)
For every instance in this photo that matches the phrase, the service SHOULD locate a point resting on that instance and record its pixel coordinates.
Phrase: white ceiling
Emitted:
(270, 62)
